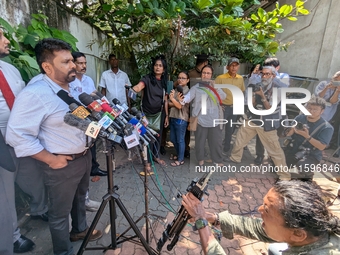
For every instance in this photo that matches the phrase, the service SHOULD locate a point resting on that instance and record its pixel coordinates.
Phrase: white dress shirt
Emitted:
(115, 85)
(16, 83)
(37, 122)
(77, 87)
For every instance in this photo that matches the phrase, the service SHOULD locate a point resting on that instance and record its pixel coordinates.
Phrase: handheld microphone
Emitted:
(179, 89)
(66, 98)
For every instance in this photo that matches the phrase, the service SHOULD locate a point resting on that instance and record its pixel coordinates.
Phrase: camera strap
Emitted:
(314, 132)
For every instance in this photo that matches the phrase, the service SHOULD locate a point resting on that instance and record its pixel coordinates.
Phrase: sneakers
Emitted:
(96, 234)
(92, 206)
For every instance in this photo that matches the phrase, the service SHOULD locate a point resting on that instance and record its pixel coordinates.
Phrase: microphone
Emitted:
(79, 111)
(91, 128)
(66, 98)
(102, 97)
(130, 138)
(179, 89)
(123, 106)
(140, 116)
(89, 102)
(114, 111)
(134, 110)
(96, 111)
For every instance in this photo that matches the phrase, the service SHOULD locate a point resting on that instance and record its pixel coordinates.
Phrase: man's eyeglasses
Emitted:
(181, 78)
(266, 74)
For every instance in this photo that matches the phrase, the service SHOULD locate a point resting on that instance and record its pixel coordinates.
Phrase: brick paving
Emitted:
(240, 193)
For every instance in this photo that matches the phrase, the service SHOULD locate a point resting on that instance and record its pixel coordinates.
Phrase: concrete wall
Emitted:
(315, 51)
(18, 11)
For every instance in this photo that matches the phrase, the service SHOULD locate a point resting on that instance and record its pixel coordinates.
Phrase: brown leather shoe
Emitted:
(96, 234)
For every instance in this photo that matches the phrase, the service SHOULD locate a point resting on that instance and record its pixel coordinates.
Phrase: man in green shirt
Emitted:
(293, 213)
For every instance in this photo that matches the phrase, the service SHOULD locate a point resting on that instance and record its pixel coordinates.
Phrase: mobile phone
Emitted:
(132, 94)
(169, 87)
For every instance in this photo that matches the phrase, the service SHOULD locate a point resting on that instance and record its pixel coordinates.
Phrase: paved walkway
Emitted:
(240, 193)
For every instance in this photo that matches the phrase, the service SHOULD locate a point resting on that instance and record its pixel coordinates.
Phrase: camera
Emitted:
(301, 126)
(256, 87)
(303, 152)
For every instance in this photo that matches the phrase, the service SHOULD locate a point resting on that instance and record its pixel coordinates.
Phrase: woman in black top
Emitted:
(154, 100)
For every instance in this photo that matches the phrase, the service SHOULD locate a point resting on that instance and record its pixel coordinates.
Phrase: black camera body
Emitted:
(301, 126)
(302, 153)
(256, 87)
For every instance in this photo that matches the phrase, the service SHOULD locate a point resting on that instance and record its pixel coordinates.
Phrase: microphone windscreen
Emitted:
(95, 97)
(106, 108)
(85, 98)
(74, 121)
(180, 89)
(66, 98)
(73, 106)
(99, 94)
(116, 101)
(139, 115)
(134, 110)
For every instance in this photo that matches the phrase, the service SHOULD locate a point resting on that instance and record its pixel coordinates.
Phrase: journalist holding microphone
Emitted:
(36, 128)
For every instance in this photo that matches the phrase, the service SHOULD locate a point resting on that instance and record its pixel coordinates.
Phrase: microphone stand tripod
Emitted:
(113, 199)
(148, 224)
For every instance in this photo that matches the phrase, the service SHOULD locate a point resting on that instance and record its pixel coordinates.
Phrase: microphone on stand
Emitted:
(91, 128)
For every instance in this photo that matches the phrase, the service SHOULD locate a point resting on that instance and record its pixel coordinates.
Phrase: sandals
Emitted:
(177, 163)
(173, 157)
(160, 161)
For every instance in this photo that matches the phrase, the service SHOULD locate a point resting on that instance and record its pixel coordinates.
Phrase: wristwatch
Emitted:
(201, 223)
(263, 99)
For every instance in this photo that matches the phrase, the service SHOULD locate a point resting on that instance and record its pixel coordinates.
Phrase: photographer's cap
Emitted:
(233, 60)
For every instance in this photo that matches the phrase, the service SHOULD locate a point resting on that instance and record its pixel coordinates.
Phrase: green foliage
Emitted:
(182, 28)
(23, 40)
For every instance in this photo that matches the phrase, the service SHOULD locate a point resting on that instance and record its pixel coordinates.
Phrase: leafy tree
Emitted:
(23, 41)
(182, 28)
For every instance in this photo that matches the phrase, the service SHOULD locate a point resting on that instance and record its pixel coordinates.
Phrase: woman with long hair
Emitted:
(179, 116)
(154, 103)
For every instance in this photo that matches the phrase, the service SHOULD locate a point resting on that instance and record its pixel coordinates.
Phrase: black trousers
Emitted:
(214, 136)
(67, 189)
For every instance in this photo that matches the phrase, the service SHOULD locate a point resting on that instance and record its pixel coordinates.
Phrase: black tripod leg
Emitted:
(108, 198)
(132, 224)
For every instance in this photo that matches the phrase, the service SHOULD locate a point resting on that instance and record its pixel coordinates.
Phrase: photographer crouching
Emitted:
(310, 137)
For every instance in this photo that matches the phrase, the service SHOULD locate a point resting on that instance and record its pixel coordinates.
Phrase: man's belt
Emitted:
(74, 156)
